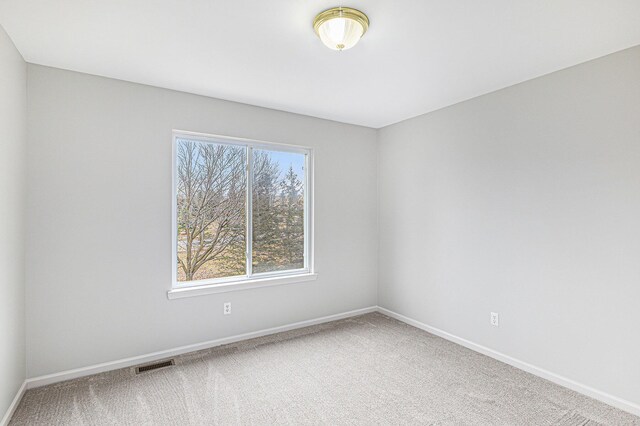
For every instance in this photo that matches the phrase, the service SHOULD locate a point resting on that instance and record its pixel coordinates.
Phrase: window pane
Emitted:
(278, 211)
(211, 196)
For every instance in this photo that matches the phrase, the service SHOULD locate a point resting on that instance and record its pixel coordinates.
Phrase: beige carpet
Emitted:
(359, 371)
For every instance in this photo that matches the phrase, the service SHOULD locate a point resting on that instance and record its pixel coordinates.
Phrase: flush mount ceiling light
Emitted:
(340, 28)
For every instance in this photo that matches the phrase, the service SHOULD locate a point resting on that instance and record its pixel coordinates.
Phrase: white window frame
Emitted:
(250, 280)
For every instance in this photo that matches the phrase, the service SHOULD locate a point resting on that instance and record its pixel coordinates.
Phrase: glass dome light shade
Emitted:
(340, 28)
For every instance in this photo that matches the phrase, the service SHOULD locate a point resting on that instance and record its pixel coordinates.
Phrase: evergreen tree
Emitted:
(265, 212)
(292, 220)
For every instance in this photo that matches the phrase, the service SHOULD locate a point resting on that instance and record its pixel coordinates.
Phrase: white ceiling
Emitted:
(418, 56)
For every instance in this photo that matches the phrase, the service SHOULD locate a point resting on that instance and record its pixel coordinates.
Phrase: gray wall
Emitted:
(13, 141)
(99, 212)
(525, 202)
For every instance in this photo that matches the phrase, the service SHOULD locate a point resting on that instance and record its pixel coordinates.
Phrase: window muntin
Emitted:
(241, 210)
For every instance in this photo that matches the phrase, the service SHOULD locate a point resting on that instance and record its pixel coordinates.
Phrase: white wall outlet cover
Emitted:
(227, 308)
(495, 319)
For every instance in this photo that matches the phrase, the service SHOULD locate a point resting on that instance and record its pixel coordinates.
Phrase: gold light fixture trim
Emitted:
(353, 25)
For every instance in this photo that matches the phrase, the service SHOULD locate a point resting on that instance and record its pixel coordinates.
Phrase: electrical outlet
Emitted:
(495, 319)
(227, 308)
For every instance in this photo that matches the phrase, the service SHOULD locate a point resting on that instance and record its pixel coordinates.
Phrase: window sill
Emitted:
(179, 293)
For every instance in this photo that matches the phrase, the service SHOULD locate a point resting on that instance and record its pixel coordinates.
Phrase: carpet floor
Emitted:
(365, 370)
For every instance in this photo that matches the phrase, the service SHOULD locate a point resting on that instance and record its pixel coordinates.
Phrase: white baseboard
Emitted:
(35, 382)
(529, 368)
(14, 405)
(128, 362)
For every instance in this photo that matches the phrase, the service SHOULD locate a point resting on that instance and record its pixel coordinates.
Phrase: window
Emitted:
(241, 210)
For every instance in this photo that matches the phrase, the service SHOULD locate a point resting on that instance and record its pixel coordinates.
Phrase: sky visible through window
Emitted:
(286, 159)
